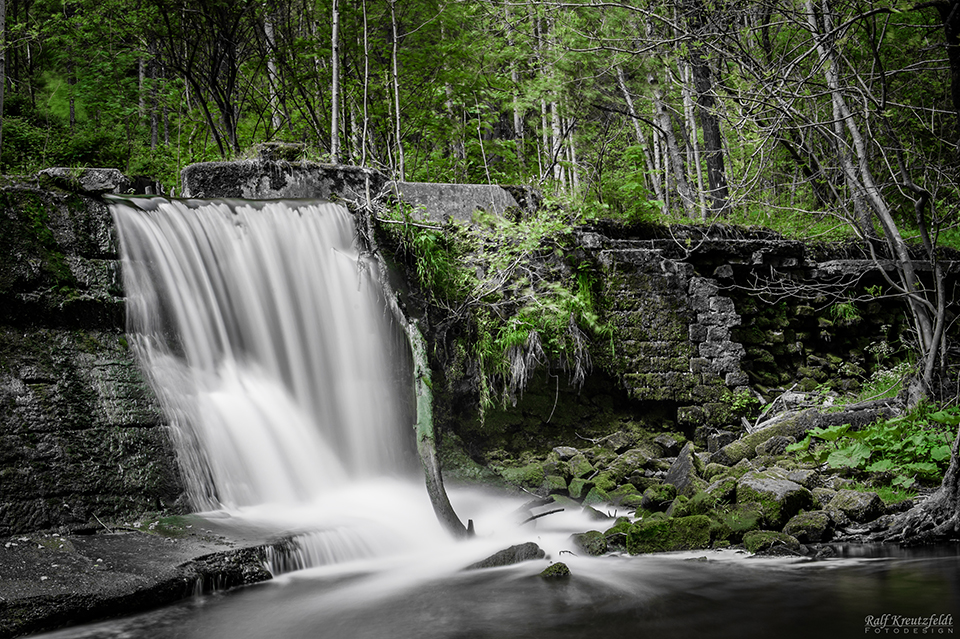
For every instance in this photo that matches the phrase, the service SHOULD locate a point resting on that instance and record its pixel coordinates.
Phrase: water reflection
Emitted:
(712, 594)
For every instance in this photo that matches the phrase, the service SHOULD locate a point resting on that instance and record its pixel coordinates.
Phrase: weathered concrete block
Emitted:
(440, 202)
(256, 179)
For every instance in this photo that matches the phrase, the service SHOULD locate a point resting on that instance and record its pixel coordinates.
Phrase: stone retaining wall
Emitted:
(81, 435)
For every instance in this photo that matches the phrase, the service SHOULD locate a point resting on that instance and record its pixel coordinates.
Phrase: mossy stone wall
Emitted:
(81, 434)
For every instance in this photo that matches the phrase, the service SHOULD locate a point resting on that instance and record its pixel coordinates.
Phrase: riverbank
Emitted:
(48, 580)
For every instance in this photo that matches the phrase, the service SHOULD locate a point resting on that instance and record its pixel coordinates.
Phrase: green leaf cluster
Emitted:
(913, 446)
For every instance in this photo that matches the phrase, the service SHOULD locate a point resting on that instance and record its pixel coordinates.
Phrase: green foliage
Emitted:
(845, 312)
(527, 302)
(914, 446)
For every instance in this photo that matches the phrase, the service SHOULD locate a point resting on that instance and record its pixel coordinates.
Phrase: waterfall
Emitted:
(262, 329)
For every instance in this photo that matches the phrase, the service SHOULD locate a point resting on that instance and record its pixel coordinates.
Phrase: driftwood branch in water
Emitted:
(426, 446)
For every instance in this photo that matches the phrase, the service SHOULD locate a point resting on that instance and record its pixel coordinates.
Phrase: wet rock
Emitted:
(823, 496)
(592, 542)
(856, 506)
(262, 179)
(779, 497)
(810, 527)
(94, 576)
(669, 444)
(509, 556)
(776, 445)
(619, 441)
(565, 453)
(684, 533)
(763, 541)
(580, 466)
(579, 488)
(659, 497)
(626, 496)
(724, 490)
(558, 570)
(684, 472)
(86, 180)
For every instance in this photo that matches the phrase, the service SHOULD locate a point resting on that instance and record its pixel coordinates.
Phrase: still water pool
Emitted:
(866, 591)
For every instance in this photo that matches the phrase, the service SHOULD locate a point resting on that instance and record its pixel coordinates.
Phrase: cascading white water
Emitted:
(263, 332)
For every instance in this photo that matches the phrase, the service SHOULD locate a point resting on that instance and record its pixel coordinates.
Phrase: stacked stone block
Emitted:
(672, 333)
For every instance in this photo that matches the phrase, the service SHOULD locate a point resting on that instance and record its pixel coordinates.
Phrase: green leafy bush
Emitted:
(913, 446)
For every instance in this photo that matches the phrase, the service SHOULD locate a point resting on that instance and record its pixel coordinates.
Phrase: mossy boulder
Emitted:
(553, 484)
(776, 445)
(810, 527)
(616, 536)
(580, 466)
(592, 542)
(740, 518)
(558, 570)
(857, 506)
(529, 476)
(683, 533)
(659, 497)
(578, 488)
(779, 498)
(684, 473)
(794, 425)
(713, 470)
(763, 541)
(823, 496)
(606, 481)
(596, 496)
(700, 504)
(626, 496)
(723, 490)
(629, 462)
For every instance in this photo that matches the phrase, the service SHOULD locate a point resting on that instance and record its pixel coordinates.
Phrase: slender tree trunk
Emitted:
(401, 173)
(706, 108)
(653, 179)
(273, 75)
(426, 440)
(335, 87)
(673, 149)
(366, 88)
(694, 142)
(515, 85)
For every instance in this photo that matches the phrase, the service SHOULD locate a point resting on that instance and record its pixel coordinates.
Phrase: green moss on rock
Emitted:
(764, 540)
(684, 533)
(592, 542)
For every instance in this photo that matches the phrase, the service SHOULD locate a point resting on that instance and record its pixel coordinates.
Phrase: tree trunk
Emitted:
(679, 172)
(706, 105)
(426, 441)
(401, 173)
(366, 88)
(335, 87)
(653, 173)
